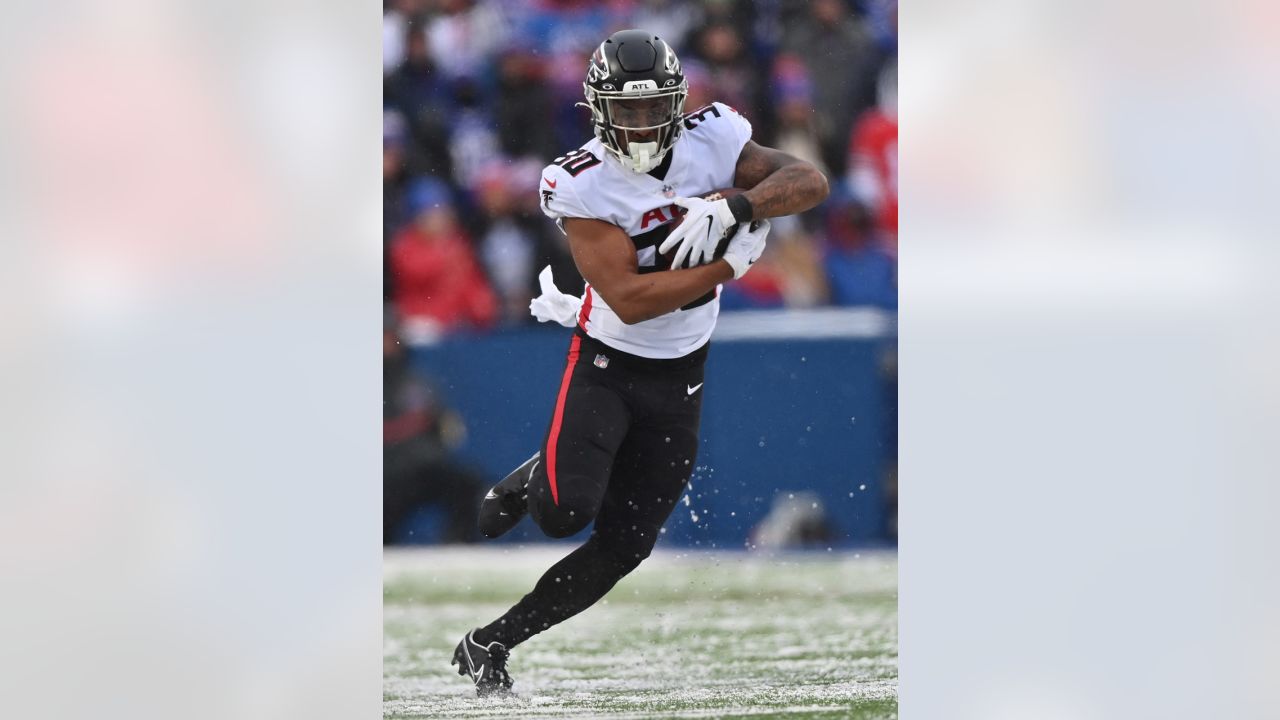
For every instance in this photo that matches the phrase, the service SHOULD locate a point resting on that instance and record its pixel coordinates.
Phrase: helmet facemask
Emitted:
(639, 129)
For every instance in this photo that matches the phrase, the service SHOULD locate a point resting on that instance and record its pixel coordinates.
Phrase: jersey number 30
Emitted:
(576, 161)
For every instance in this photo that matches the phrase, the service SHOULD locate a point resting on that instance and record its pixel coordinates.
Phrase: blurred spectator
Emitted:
(797, 132)
(733, 78)
(700, 88)
(740, 14)
(465, 35)
(873, 158)
(524, 109)
(882, 21)
(394, 176)
(438, 283)
(507, 244)
(800, 261)
(417, 91)
(474, 141)
(396, 20)
(417, 434)
(841, 58)
(668, 19)
(860, 270)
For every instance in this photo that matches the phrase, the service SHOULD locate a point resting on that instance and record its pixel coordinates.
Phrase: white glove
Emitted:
(746, 247)
(553, 305)
(702, 229)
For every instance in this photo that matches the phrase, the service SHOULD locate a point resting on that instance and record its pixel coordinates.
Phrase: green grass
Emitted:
(702, 635)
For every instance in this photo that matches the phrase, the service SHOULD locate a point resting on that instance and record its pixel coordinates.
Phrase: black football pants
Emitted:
(620, 448)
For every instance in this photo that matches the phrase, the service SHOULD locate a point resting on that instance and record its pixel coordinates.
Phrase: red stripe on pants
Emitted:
(585, 314)
(559, 416)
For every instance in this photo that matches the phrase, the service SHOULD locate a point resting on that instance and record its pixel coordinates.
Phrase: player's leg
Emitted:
(566, 485)
(562, 485)
(650, 471)
(650, 475)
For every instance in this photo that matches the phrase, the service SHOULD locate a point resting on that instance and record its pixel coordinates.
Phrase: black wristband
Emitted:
(741, 208)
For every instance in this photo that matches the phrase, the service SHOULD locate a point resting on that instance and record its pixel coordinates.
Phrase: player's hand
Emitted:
(746, 247)
(702, 229)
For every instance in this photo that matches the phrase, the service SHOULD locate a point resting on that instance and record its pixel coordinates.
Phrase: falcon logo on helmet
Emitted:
(636, 92)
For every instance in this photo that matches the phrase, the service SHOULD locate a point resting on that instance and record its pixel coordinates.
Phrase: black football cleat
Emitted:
(485, 664)
(508, 501)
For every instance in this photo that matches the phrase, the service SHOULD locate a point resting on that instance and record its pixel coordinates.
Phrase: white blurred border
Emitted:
(1088, 344)
(191, 294)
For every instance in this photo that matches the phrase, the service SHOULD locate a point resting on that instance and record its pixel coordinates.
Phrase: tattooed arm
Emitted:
(778, 184)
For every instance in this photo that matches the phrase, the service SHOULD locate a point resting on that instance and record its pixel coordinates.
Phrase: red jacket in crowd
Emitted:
(437, 277)
(873, 162)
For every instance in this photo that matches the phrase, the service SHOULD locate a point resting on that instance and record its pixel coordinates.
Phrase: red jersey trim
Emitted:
(558, 418)
(585, 313)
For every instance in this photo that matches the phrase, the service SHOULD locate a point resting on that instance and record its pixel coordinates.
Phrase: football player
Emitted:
(623, 437)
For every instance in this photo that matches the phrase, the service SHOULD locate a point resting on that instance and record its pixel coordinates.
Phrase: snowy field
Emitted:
(697, 635)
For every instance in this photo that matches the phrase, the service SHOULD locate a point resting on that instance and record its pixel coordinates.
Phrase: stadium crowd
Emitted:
(479, 95)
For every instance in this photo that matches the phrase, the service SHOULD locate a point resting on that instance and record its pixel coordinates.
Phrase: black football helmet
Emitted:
(636, 91)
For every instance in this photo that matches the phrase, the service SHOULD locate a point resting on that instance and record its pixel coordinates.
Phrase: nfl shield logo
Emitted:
(602, 362)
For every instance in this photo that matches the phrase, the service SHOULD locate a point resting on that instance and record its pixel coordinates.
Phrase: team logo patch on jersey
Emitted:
(668, 191)
(601, 362)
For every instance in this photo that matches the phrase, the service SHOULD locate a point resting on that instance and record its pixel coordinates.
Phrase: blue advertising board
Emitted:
(784, 413)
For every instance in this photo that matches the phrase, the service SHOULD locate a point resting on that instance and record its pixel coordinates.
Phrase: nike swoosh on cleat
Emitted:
(490, 495)
(479, 675)
(690, 390)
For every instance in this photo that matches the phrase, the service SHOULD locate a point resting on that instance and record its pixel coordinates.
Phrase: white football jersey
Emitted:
(591, 183)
